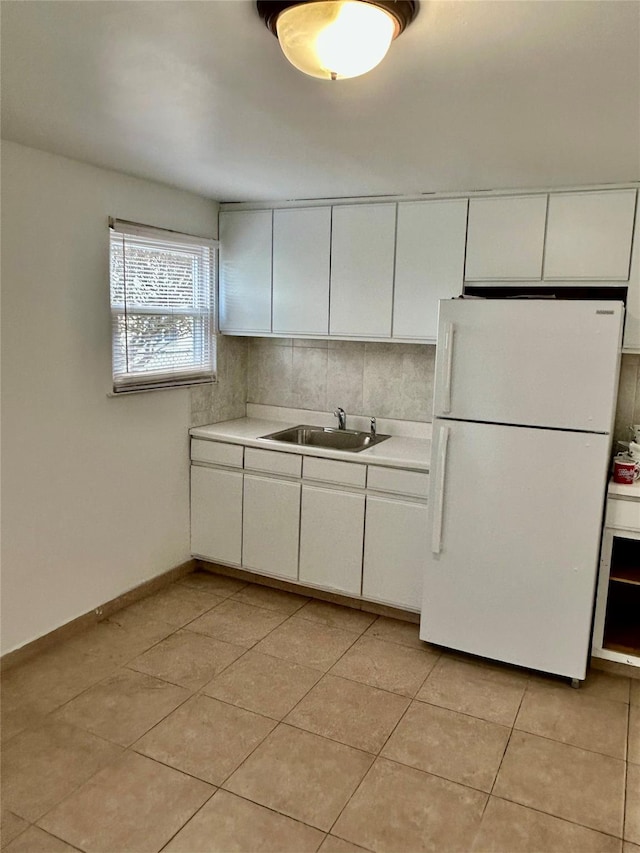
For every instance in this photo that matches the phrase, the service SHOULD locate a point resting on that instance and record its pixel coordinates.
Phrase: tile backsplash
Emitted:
(225, 399)
(628, 411)
(372, 379)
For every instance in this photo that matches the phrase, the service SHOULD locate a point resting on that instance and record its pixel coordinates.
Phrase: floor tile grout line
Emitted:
(121, 666)
(463, 713)
(557, 817)
(293, 725)
(570, 745)
(506, 747)
(77, 787)
(197, 811)
(279, 724)
(126, 746)
(53, 835)
(352, 795)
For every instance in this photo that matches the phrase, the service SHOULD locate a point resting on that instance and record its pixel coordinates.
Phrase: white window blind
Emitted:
(162, 307)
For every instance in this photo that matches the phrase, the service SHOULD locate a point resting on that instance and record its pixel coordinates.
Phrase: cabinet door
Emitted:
(505, 238)
(429, 264)
(395, 552)
(216, 514)
(245, 271)
(589, 235)
(301, 247)
(362, 250)
(510, 573)
(271, 525)
(631, 338)
(331, 533)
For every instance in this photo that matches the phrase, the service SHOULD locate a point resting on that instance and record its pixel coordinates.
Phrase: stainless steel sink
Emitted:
(334, 439)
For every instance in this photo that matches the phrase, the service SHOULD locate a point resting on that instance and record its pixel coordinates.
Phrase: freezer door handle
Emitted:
(448, 367)
(438, 506)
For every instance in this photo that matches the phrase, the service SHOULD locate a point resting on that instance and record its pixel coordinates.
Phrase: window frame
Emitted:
(205, 322)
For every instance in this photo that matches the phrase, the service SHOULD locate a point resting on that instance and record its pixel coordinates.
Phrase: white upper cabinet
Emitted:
(505, 238)
(589, 235)
(631, 340)
(430, 245)
(245, 271)
(362, 262)
(301, 264)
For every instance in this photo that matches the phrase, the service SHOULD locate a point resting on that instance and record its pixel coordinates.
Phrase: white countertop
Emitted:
(394, 452)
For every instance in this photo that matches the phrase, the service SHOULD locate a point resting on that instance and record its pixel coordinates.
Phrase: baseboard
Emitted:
(87, 620)
(312, 592)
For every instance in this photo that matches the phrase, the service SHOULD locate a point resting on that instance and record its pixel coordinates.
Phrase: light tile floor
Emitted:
(219, 716)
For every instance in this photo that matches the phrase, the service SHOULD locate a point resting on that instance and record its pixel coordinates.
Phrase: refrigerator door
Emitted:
(514, 525)
(547, 363)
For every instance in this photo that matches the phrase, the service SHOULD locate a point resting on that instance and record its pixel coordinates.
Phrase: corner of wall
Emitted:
(226, 398)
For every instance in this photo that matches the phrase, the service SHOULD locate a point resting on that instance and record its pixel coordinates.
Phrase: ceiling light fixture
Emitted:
(336, 39)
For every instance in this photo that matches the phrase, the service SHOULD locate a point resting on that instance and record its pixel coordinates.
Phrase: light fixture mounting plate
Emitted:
(403, 11)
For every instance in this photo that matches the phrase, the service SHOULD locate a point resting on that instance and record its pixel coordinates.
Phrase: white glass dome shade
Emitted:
(336, 39)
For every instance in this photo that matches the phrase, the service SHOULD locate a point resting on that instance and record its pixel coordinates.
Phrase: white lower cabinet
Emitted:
(216, 514)
(271, 525)
(395, 548)
(302, 519)
(332, 528)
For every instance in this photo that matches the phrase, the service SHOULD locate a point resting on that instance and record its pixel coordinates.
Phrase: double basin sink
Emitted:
(327, 437)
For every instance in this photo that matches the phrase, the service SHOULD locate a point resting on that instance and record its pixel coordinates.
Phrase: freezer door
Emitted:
(514, 527)
(548, 363)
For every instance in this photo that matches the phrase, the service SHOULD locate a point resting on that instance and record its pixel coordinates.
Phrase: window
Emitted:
(162, 307)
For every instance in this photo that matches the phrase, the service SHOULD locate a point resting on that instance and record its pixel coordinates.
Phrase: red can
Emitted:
(625, 471)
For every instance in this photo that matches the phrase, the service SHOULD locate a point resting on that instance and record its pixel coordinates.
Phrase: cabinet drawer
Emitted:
(623, 514)
(216, 452)
(288, 464)
(328, 471)
(414, 483)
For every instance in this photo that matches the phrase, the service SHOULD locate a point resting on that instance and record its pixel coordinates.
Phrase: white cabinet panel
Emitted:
(430, 247)
(632, 318)
(362, 260)
(622, 514)
(271, 526)
(505, 238)
(333, 471)
(398, 481)
(395, 552)
(216, 514)
(216, 452)
(301, 252)
(331, 536)
(245, 270)
(273, 462)
(589, 235)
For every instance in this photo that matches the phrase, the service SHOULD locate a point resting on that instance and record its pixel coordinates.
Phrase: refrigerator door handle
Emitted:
(448, 365)
(436, 533)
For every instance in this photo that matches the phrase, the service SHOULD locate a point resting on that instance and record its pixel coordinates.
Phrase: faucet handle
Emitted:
(341, 415)
(373, 426)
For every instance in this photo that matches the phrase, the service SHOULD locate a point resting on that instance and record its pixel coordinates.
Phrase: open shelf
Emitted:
(625, 561)
(622, 620)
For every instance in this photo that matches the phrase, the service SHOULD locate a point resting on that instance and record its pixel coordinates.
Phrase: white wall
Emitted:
(94, 489)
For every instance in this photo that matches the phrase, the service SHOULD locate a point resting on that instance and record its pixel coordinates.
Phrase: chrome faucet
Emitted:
(341, 415)
(373, 427)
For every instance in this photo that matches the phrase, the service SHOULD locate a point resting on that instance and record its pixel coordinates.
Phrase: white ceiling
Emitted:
(474, 95)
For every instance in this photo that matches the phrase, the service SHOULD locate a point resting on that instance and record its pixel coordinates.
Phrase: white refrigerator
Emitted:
(524, 404)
